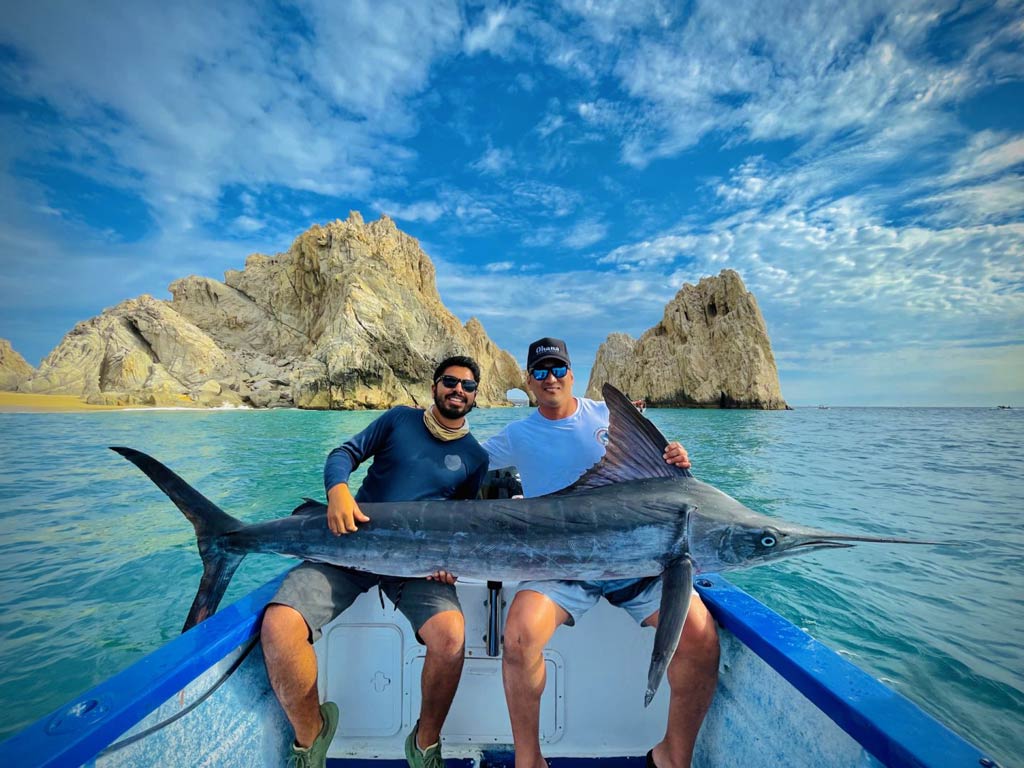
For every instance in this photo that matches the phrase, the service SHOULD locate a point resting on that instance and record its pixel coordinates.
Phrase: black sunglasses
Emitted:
(451, 382)
(539, 374)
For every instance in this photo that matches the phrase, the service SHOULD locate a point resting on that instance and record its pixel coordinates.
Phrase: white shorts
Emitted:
(640, 597)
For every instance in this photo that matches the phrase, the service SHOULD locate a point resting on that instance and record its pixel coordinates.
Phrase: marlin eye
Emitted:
(768, 540)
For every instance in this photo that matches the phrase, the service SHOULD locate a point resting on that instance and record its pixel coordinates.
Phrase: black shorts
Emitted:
(321, 592)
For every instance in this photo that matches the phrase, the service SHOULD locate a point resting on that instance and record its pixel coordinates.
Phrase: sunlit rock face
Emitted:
(348, 317)
(710, 350)
(13, 367)
(140, 352)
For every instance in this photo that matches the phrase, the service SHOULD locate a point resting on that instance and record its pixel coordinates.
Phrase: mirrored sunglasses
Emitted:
(542, 373)
(468, 385)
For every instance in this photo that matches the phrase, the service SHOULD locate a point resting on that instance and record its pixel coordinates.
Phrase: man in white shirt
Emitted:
(551, 448)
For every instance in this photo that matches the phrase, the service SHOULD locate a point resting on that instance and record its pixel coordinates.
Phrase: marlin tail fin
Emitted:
(210, 523)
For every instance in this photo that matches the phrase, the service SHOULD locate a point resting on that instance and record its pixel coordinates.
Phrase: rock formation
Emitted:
(140, 352)
(710, 350)
(349, 317)
(13, 368)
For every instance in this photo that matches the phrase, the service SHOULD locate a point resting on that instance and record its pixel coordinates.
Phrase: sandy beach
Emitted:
(22, 402)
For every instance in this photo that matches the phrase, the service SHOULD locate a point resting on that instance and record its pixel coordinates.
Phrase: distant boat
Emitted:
(640, 405)
(822, 407)
(1004, 407)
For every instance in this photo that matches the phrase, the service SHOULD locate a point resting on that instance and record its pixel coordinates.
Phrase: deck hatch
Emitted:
(369, 692)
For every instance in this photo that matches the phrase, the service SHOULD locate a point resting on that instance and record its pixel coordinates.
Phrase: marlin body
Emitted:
(630, 515)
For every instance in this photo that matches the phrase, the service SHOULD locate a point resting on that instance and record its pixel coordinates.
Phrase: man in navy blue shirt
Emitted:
(417, 455)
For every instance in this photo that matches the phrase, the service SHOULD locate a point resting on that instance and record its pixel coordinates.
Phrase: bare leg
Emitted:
(692, 677)
(532, 620)
(445, 636)
(291, 667)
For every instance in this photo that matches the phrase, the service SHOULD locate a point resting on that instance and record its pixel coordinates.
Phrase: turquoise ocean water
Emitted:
(97, 568)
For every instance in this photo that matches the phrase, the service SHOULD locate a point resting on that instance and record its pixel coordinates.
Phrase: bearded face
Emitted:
(454, 402)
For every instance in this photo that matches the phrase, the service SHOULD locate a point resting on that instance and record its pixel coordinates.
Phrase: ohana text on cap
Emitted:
(547, 348)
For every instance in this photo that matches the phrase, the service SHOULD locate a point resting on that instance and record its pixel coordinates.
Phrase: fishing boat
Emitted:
(782, 699)
(640, 405)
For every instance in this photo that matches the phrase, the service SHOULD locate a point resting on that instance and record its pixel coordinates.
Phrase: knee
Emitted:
(445, 635)
(282, 624)
(523, 642)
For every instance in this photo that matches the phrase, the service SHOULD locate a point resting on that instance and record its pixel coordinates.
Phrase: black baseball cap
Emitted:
(547, 349)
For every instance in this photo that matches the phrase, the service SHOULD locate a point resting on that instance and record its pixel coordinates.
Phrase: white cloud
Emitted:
(248, 224)
(552, 199)
(495, 161)
(370, 55)
(496, 31)
(586, 306)
(500, 266)
(988, 153)
(748, 183)
(980, 183)
(609, 21)
(541, 237)
(858, 278)
(475, 213)
(525, 81)
(550, 124)
(997, 200)
(585, 234)
(422, 211)
(181, 101)
(814, 72)
(651, 253)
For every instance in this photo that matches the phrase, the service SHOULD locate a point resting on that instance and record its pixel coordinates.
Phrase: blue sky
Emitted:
(566, 165)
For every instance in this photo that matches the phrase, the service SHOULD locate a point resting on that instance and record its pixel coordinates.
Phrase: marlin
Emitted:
(630, 515)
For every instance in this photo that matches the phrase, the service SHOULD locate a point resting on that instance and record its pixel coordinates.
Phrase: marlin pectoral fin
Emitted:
(676, 590)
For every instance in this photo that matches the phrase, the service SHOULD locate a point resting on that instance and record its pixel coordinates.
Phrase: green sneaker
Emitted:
(316, 755)
(417, 758)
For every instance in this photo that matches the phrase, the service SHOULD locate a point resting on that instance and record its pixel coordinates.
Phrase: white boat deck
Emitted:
(593, 703)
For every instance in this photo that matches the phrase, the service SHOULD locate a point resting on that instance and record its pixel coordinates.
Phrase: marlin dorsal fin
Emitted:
(635, 449)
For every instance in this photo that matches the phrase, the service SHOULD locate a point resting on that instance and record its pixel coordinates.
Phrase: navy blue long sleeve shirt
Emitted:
(409, 464)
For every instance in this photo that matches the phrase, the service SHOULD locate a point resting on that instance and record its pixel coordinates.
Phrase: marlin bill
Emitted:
(630, 515)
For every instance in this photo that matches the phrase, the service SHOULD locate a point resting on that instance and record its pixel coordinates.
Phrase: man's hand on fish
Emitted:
(342, 510)
(676, 454)
(444, 576)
